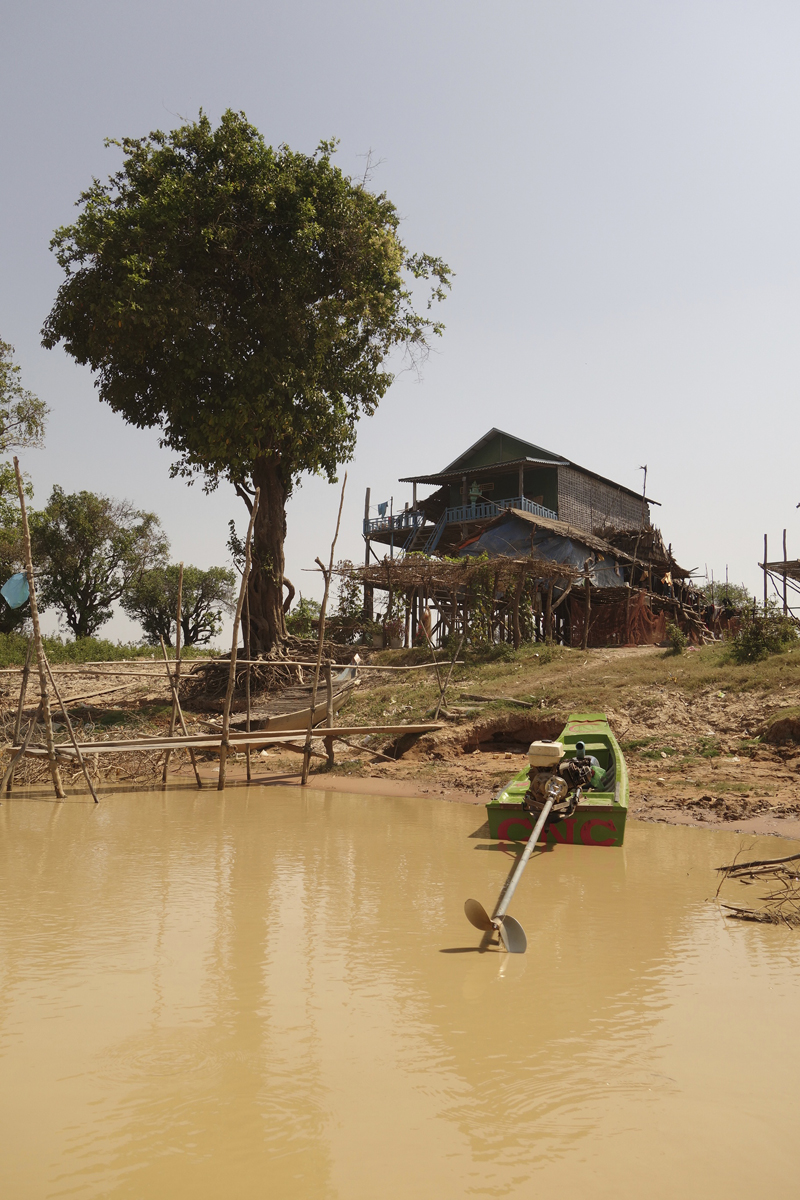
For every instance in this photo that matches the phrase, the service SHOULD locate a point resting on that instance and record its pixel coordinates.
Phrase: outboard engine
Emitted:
(550, 777)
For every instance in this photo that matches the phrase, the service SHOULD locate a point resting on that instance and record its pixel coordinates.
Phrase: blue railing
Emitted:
(409, 522)
(438, 530)
(398, 523)
(486, 510)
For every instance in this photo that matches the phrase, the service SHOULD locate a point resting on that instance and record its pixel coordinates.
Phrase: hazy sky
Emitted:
(616, 184)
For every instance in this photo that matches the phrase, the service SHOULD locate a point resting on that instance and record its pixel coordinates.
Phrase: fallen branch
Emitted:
(738, 868)
(365, 749)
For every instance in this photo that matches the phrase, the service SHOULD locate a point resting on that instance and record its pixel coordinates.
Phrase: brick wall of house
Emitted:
(590, 504)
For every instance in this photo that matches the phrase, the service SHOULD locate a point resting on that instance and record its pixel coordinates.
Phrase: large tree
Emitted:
(244, 300)
(152, 600)
(89, 551)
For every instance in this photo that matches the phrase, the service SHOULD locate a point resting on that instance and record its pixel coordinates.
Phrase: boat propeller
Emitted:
(511, 932)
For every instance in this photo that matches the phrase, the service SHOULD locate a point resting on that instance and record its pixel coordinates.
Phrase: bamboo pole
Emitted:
(22, 749)
(226, 711)
(321, 636)
(241, 662)
(179, 711)
(174, 714)
(443, 690)
(26, 670)
(329, 696)
(211, 742)
(37, 640)
(71, 732)
(765, 574)
(785, 604)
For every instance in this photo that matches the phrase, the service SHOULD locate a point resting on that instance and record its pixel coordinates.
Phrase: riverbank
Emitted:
(707, 741)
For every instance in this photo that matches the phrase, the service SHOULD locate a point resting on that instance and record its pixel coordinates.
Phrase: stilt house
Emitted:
(503, 472)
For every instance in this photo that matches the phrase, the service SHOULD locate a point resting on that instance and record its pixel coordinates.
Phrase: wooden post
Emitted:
(37, 641)
(179, 710)
(765, 574)
(26, 670)
(174, 714)
(548, 614)
(588, 606)
(327, 574)
(226, 710)
(414, 500)
(329, 692)
(785, 605)
(522, 483)
(71, 732)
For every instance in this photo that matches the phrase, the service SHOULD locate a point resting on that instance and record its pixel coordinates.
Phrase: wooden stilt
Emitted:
(71, 731)
(37, 641)
(179, 711)
(226, 711)
(26, 670)
(517, 632)
(174, 715)
(785, 604)
(765, 574)
(587, 613)
(548, 615)
(321, 635)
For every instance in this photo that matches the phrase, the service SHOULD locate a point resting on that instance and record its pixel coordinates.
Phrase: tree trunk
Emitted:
(267, 620)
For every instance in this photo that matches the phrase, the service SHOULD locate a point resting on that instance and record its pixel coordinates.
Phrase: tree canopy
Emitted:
(89, 550)
(152, 600)
(244, 300)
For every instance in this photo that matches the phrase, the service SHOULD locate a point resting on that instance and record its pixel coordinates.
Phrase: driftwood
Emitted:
(782, 906)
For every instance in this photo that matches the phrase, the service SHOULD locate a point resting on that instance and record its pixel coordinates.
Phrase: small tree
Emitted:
(12, 555)
(729, 595)
(347, 619)
(22, 423)
(22, 415)
(152, 600)
(301, 620)
(244, 300)
(90, 550)
(763, 633)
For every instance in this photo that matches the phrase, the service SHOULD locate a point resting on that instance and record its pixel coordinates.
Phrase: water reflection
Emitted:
(222, 997)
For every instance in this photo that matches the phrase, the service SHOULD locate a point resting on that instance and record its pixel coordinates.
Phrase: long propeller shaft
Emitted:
(500, 911)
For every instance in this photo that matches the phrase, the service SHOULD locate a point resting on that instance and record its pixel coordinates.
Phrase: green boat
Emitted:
(599, 819)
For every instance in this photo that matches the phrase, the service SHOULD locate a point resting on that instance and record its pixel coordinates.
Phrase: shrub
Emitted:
(14, 646)
(300, 621)
(677, 639)
(761, 634)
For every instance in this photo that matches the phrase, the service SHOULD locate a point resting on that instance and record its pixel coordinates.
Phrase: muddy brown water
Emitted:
(272, 993)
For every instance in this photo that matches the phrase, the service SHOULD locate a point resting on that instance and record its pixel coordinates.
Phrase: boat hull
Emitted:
(599, 819)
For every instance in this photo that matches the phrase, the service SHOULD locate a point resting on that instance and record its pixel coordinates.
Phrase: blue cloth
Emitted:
(512, 537)
(382, 508)
(15, 591)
